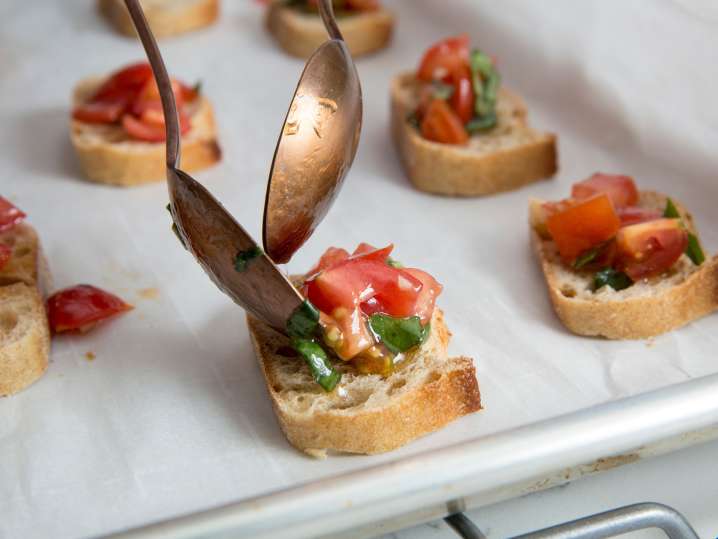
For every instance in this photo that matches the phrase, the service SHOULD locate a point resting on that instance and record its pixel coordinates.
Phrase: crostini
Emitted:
(118, 132)
(620, 263)
(165, 17)
(390, 380)
(24, 330)
(365, 25)
(459, 132)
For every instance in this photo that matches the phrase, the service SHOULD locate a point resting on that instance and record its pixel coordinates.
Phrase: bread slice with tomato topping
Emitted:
(366, 413)
(507, 157)
(109, 153)
(666, 291)
(300, 32)
(165, 17)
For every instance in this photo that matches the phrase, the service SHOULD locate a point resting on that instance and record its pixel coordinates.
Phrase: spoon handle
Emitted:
(326, 9)
(169, 106)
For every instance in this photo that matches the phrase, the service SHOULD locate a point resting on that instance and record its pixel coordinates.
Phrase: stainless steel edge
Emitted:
(467, 470)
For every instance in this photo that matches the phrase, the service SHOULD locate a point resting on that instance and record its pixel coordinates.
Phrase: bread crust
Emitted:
(634, 317)
(461, 171)
(442, 398)
(164, 20)
(300, 34)
(108, 156)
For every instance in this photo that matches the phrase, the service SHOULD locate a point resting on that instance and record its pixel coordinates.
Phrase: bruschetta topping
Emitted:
(82, 307)
(340, 6)
(459, 93)
(10, 215)
(130, 98)
(602, 229)
(371, 310)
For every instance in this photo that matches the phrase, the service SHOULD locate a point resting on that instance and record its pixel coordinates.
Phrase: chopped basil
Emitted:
(197, 88)
(399, 334)
(611, 277)
(394, 263)
(671, 212)
(587, 256)
(694, 251)
(304, 320)
(243, 258)
(485, 80)
(322, 370)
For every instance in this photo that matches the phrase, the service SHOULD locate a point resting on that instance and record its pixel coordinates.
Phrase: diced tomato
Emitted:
(189, 93)
(362, 5)
(129, 79)
(430, 290)
(100, 112)
(331, 256)
(579, 225)
(444, 58)
(621, 189)
(355, 335)
(632, 215)
(5, 254)
(650, 248)
(10, 215)
(462, 100)
(149, 96)
(441, 124)
(143, 131)
(369, 252)
(81, 307)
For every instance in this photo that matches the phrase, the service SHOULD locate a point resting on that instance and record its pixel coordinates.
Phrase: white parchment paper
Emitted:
(172, 416)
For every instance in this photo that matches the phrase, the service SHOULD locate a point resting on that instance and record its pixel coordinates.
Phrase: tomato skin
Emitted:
(444, 58)
(5, 254)
(651, 247)
(430, 290)
(632, 215)
(81, 307)
(441, 124)
(577, 226)
(462, 100)
(621, 189)
(10, 215)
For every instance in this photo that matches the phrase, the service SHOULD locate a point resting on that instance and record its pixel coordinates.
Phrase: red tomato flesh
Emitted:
(441, 124)
(577, 226)
(129, 79)
(462, 100)
(81, 307)
(444, 58)
(10, 215)
(650, 248)
(5, 254)
(430, 290)
(620, 189)
(100, 112)
(632, 215)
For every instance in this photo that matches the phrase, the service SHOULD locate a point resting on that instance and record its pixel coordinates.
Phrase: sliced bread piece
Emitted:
(24, 337)
(506, 157)
(300, 33)
(165, 17)
(645, 309)
(25, 258)
(366, 413)
(108, 155)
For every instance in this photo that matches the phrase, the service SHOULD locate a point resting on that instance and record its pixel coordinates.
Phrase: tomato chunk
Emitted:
(430, 290)
(621, 189)
(127, 80)
(650, 248)
(576, 226)
(444, 58)
(462, 100)
(10, 215)
(81, 307)
(441, 124)
(632, 215)
(5, 254)
(100, 112)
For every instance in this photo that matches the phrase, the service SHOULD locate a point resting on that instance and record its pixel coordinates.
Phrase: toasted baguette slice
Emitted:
(645, 309)
(506, 157)
(108, 155)
(166, 17)
(25, 261)
(366, 413)
(300, 33)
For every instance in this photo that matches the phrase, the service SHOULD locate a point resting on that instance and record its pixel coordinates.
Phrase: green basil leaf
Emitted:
(399, 334)
(477, 124)
(671, 212)
(394, 263)
(304, 321)
(485, 80)
(694, 250)
(243, 258)
(611, 277)
(587, 256)
(321, 368)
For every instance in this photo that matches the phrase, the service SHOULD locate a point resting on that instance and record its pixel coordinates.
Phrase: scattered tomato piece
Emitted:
(576, 226)
(620, 189)
(81, 307)
(650, 248)
(444, 58)
(10, 215)
(441, 124)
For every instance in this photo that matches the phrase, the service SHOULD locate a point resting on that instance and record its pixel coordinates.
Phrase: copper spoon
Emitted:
(229, 255)
(316, 147)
